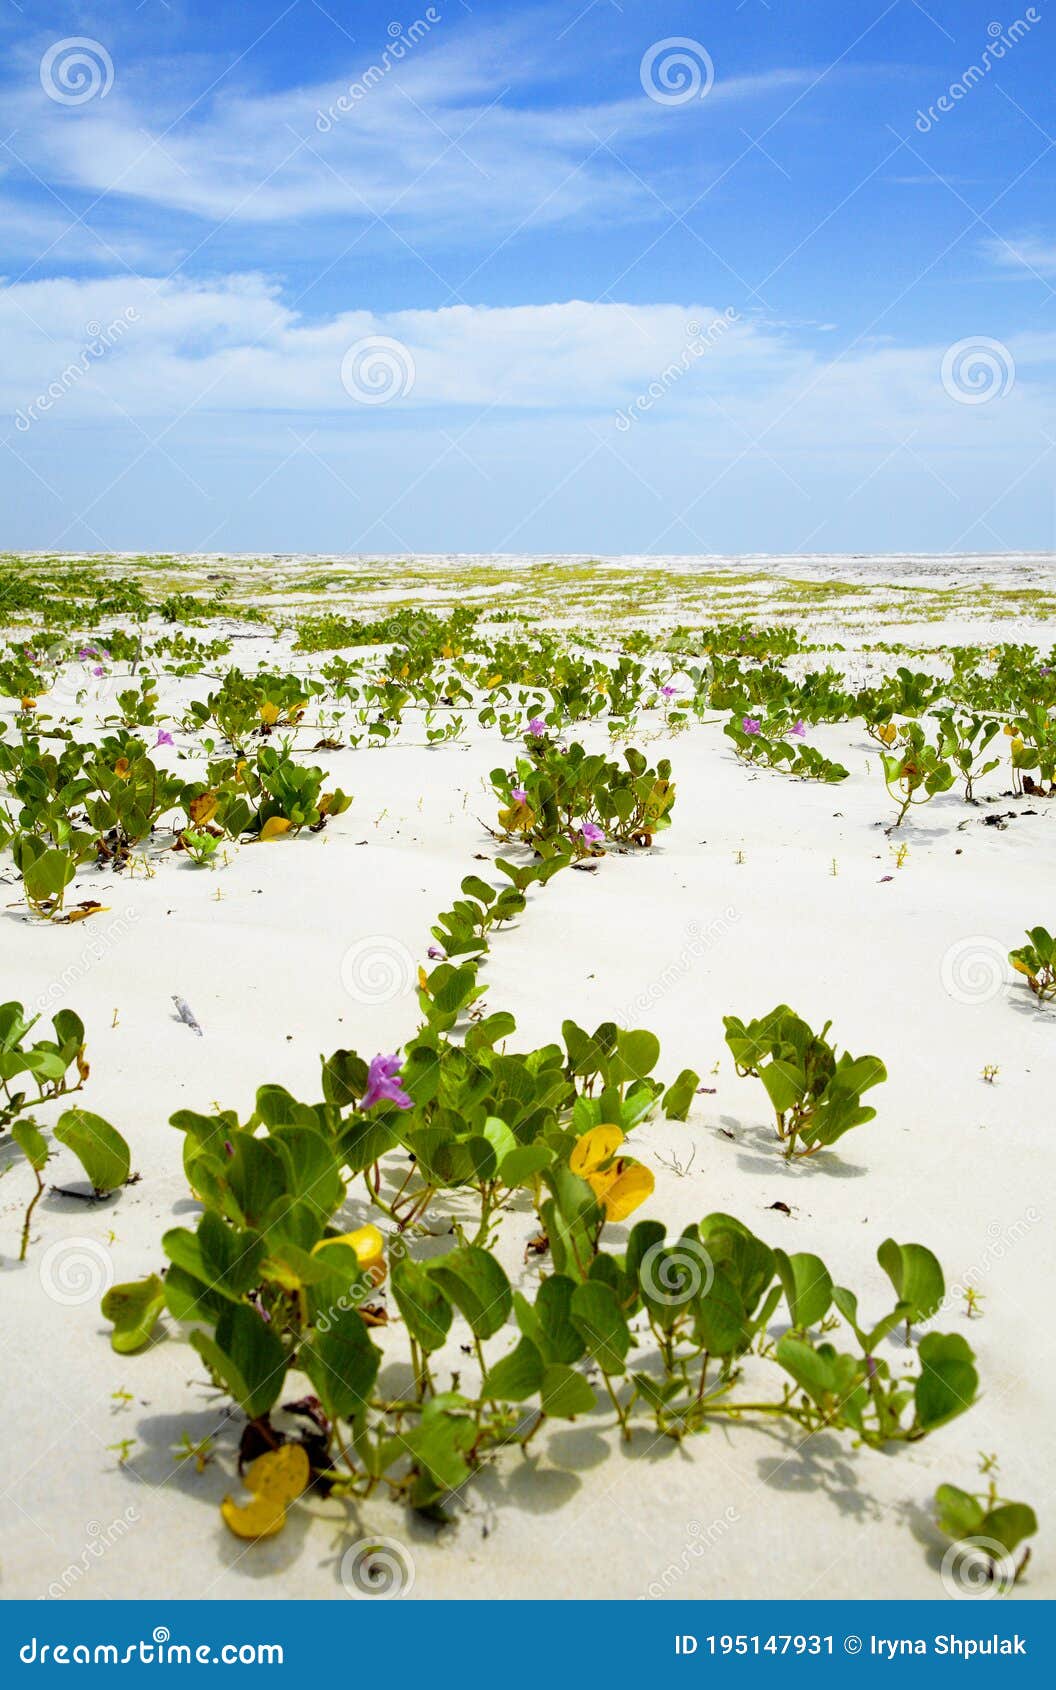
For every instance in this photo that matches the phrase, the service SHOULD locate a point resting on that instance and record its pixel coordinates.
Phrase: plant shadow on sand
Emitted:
(770, 1159)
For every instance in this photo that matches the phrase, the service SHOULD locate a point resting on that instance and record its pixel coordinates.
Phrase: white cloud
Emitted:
(235, 347)
(436, 140)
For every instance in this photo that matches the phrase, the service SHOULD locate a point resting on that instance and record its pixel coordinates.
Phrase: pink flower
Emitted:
(98, 670)
(752, 725)
(519, 795)
(163, 738)
(537, 727)
(799, 729)
(668, 692)
(87, 651)
(383, 1084)
(434, 954)
(591, 833)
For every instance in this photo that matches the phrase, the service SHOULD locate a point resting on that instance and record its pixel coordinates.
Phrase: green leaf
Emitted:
(678, 1098)
(99, 1147)
(948, 1380)
(597, 1316)
(807, 1286)
(516, 1376)
(959, 1513)
(342, 1363)
(247, 1357)
(133, 1308)
(473, 1280)
(422, 1304)
(916, 1276)
(565, 1393)
(32, 1143)
(520, 1166)
(1008, 1524)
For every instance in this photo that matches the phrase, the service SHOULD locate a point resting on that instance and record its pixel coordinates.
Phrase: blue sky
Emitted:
(759, 275)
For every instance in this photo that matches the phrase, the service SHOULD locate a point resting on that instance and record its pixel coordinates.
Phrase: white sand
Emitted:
(911, 968)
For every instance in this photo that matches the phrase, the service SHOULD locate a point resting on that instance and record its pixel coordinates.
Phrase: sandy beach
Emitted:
(766, 889)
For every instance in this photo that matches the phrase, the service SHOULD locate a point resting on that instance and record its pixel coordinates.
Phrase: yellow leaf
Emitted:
(122, 768)
(274, 828)
(887, 733)
(595, 1148)
(628, 1191)
(492, 681)
(280, 1475)
(83, 911)
(260, 1518)
(423, 979)
(29, 703)
(366, 1241)
(269, 713)
(203, 808)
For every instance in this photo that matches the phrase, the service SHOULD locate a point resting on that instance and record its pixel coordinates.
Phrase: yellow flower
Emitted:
(269, 713)
(28, 703)
(275, 1480)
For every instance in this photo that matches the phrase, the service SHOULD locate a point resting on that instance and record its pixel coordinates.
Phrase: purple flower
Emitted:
(799, 729)
(98, 670)
(537, 727)
(518, 794)
(591, 833)
(1045, 670)
(668, 692)
(434, 954)
(752, 725)
(163, 738)
(383, 1084)
(86, 652)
